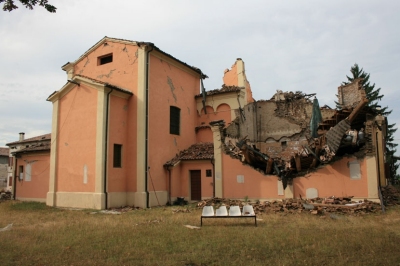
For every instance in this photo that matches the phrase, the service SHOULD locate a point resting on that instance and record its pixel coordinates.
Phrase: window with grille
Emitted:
(174, 120)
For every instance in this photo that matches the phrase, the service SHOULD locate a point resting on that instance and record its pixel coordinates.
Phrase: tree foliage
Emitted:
(373, 95)
(9, 5)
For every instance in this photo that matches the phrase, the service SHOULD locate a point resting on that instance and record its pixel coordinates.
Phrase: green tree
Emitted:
(9, 5)
(373, 95)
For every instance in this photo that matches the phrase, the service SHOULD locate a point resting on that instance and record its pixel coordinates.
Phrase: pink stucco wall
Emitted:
(256, 185)
(331, 180)
(334, 180)
(118, 134)
(76, 140)
(122, 72)
(180, 178)
(204, 135)
(38, 187)
(169, 85)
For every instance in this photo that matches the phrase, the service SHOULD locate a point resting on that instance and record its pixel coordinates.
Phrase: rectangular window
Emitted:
(174, 120)
(21, 172)
(28, 171)
(105, 59)
(117, 155)
(208, 173)
(10, 161)
(355, 170)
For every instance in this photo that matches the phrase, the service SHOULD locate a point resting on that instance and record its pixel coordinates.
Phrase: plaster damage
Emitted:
(289, 134)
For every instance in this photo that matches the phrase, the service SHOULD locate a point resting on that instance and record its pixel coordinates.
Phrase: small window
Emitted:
(355, 170)
(10, 161)
(21, 172)
(105, 59)
(174, 120)
(117, 155)
(208, 173)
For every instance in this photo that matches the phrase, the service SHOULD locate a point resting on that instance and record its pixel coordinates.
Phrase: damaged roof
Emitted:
(224, 89)
(33, 139)
(4, 151)
(198, 151)
(39, 147)
(198, 70)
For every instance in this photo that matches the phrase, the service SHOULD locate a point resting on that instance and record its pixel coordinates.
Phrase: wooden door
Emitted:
(195, 184)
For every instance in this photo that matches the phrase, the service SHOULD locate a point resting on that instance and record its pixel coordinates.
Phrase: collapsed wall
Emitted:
(290, 134)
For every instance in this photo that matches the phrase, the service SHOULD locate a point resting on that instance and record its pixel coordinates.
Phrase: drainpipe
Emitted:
(213, 174)
(169, 185)
(106, 149)
(147, 127)
(15, 179)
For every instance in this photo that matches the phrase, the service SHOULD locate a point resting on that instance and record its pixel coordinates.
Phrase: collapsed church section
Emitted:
(289, 135)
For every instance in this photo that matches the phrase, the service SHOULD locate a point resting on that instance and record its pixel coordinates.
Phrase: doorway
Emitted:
(195, 184)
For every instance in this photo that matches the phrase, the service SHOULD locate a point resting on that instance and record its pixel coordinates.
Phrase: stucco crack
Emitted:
(172, 87)
(106, 75)
(136, 57)
(87, 61)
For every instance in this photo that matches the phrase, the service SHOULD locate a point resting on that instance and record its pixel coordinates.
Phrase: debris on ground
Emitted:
(5, 195)
(192, 226)
(391, 195)
(8, 227)
(150, 222)
(181, 210)
(340, 205)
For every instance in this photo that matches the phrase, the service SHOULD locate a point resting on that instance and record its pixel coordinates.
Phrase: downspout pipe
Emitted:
(169, 185)
(106, 148)
(15, 179)
(213, 174)
(147, 167)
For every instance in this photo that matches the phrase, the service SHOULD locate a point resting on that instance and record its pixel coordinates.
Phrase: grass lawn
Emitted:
(41, 235)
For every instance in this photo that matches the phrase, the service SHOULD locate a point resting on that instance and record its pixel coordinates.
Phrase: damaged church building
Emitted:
(135, 126)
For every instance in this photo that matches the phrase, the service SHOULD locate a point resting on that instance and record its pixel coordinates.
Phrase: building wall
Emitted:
(180, 179)
(204, 135)
(76, 140)
(36, 187)
(122, 71)
(334, 180)
(118, 134)
(255, 185)
(169, 85)
(3, 171)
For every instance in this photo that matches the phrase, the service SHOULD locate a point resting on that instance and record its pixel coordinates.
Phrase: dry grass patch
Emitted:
(48, 236)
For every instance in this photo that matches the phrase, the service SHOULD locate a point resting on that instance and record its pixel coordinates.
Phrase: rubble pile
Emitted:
(292, 206)
(391, 195)
(5, 196)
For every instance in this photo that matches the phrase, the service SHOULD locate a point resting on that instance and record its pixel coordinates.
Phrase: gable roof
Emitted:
(109, 39)
(106, 84)
(44, 137)
(45, 146)
(198, 151)
(223, 89)
(4, 151)
(83, 78)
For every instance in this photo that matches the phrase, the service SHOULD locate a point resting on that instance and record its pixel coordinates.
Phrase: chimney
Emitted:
(21, 136)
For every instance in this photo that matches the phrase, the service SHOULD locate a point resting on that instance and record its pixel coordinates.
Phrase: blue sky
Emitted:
(289, 45)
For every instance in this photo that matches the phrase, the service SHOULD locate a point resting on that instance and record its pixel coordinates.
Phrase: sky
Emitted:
(290, 45)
